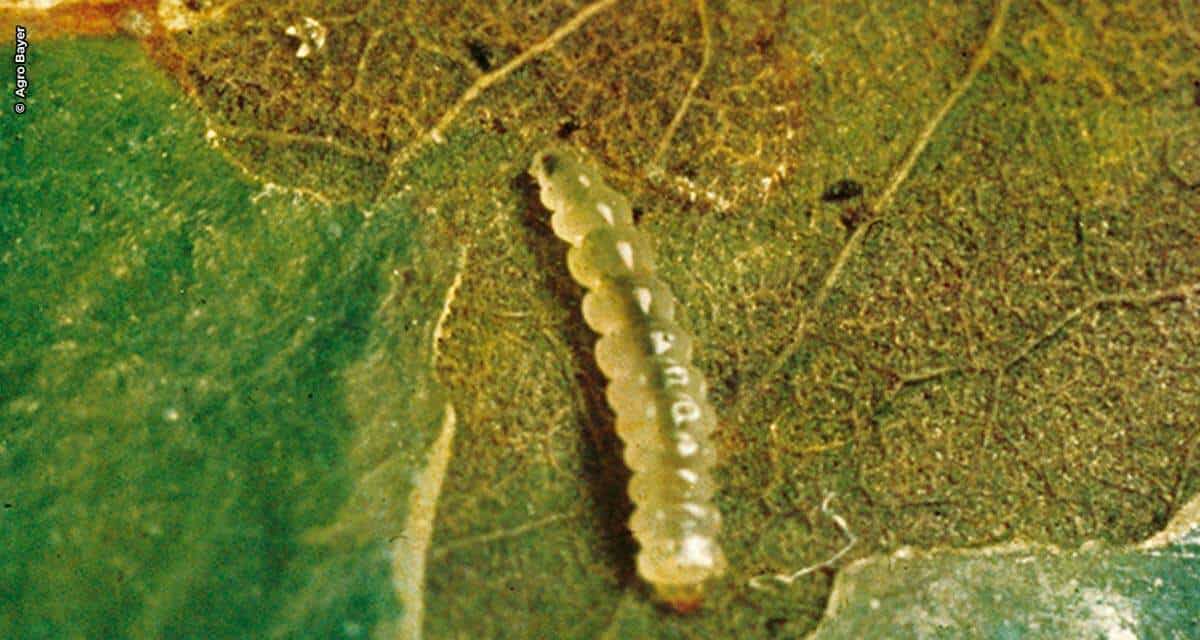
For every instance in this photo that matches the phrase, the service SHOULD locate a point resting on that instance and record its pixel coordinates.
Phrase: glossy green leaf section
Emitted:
(1023, 592)
(988, 342)
(181, 388)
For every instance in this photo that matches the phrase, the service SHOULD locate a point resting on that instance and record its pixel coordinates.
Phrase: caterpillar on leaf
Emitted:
(657, 395)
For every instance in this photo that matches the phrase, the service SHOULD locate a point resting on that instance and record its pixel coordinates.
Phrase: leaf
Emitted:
(186, 396)
(1022, 591)
(994, 343)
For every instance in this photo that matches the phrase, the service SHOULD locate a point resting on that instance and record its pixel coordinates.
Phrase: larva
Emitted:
(657, 395)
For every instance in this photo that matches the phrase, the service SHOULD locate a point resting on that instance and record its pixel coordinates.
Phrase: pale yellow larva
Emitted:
(657, 395)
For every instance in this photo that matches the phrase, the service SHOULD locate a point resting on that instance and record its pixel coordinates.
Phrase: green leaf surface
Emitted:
(1020, 591)
(290, 351)
(183, 374)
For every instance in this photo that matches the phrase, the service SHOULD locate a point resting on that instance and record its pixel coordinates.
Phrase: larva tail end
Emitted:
(682, 598)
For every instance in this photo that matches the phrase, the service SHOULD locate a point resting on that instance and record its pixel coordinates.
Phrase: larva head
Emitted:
(678, 569)
(546, 169)
(577, 196)
(683, 598)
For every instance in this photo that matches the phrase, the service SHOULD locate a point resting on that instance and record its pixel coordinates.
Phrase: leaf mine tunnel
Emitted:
(658, 397)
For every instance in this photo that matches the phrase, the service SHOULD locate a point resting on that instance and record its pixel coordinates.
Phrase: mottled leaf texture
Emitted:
(290, 347)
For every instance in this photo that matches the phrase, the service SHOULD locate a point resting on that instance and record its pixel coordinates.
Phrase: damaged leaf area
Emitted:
(1024, 591)
(940, 260)
(388, 72)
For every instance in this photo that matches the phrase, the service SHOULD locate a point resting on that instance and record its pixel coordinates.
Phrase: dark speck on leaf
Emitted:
(480, 55)
(843, 189)
(567, 128)
(776, 625)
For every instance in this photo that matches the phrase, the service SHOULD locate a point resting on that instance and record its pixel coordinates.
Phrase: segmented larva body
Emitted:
(657, 395)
